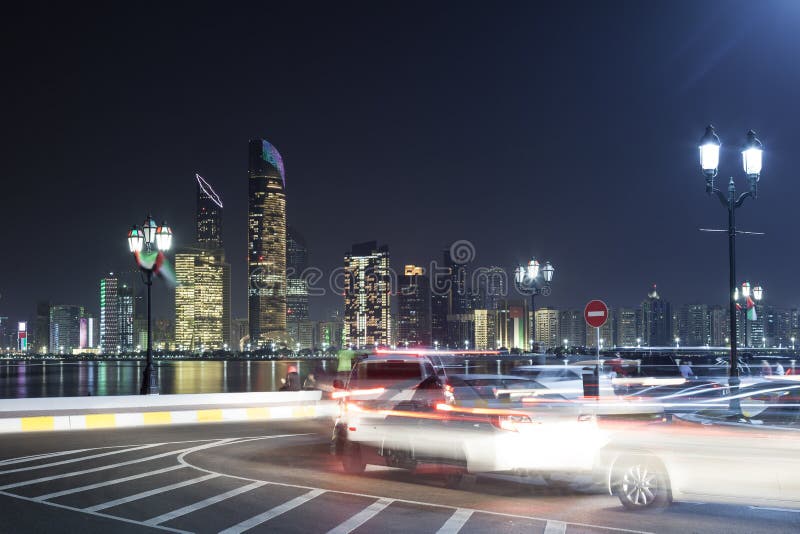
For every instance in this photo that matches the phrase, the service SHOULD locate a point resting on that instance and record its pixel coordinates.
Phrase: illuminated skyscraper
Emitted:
(65, 328)
(367, 313)
(109, 314)
(414, 306)
(266, 248)
(209, 215)
(297, 285)
(202, 299)
(203, 295)
(125, 310)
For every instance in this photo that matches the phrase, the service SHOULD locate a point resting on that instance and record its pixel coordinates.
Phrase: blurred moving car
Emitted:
(400, 410)
(715, 455)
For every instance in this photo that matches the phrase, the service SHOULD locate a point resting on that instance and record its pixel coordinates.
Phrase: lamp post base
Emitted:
(149, 381)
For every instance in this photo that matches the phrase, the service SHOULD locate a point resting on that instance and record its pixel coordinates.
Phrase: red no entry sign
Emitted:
(596, 313)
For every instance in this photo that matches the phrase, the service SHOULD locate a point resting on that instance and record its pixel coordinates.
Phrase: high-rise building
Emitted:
(208, 216)
(694, 325)
(41, 329)
(414, 307)
(486, 337)
(511, 328)
(296, 283)
(367, 288)
(266, 259)
(460, 295)
(719, 325)
(572, 327)
(329, 334)
(109, 314)
(240, 333)
(492, 286)
(547, 328)
(202, 299)
(606, 332)
(203, 295)
(626, 327)
(656, 321)
(65, 328)
(125, 314)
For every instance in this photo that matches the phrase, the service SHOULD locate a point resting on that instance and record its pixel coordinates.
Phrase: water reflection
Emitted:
(20, 379)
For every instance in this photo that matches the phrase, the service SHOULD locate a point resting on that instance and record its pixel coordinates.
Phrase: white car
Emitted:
(401, 411)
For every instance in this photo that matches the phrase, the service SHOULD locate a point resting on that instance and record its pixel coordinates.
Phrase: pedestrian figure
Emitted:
(292, 380)
(310, 382)
(685, 369)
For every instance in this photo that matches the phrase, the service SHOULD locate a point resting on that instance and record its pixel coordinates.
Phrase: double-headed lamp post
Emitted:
(758, 293)
(528, 280)
(709, 162)
(149, 237)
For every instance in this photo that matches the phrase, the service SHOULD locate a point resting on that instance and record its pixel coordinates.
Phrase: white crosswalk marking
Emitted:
(34, 457)
(361, 517)
(80, 459)
(150, 493)
(112, 466)
(272, 513)
(202, 504)
(107, 483)
(555, 527)
(456, 521)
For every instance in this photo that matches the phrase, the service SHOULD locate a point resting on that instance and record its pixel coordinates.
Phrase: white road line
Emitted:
(163, 518)
(149, 493)
(555, 527)
(456, 521)
(112, 466)
(96, 514)
(34, 457)
(107, 483)
(80, 459)
(361, 517)
(247, 524)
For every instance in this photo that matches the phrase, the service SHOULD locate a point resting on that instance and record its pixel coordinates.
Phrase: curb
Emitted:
(125, 420)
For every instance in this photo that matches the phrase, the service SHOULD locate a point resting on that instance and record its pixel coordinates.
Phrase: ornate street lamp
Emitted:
(528, 280)
(752, 154)
(142, 242)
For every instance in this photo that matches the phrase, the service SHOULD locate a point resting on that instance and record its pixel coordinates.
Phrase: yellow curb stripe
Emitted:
(209, 415)
(33, 424)
(303, 411)
(101, 420)
(258, 413)
(157, 418)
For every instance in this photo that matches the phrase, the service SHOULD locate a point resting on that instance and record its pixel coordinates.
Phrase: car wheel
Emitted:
(352, 461)
(642, 483)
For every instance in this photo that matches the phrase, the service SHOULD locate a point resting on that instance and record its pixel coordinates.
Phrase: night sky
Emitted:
(567, 131)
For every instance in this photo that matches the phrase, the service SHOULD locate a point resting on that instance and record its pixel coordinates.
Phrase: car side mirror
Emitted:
(338, 384)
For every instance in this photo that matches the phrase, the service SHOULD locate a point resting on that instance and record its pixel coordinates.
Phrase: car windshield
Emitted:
(387, 373)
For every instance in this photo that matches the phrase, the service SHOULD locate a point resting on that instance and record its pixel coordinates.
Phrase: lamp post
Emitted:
(528, 280)
(149, 237)
(709, 163)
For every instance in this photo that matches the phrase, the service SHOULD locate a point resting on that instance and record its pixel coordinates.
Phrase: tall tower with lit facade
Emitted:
(367, 287)
(203, 295)
(297, 284)
(109, 313)
(266, 244)
(414, 307)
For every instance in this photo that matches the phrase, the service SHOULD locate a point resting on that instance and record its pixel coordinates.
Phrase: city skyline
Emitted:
(539, 199)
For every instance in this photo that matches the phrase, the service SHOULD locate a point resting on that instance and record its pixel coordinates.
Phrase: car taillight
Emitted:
(511, 422)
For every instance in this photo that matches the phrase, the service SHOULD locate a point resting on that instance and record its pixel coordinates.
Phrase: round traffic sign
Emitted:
(596, 313)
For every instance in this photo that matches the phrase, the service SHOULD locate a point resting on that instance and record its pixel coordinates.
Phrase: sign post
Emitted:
(596, 315)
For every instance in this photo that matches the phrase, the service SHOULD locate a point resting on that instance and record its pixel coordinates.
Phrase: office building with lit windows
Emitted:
(266, 248)
(367, 290)
(109, 314)
(414, 308)
(65, 324)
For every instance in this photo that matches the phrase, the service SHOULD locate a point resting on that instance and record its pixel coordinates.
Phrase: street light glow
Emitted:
(752, 155)
(709, 152)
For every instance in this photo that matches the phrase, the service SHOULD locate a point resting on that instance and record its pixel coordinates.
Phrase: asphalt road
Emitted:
(279, 477)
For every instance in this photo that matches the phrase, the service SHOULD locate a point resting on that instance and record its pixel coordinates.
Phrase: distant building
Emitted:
(125, 313)
(202, 299)
(656, 321)
(329, 334)
(461, 330)
(606, 331)
(694, 323)
(240, 333)
(486, 322)
(266, 222)
(512, 326)
(367, 290)
(719, 325)
(547, 327)
(572, 327)
(625, 322)
(414, 308)
(491, 284)
(41, 329)
(109, 314)
(208, 216)
(65, 328)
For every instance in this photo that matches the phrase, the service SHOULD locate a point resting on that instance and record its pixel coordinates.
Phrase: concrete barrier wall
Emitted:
(144, 410)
